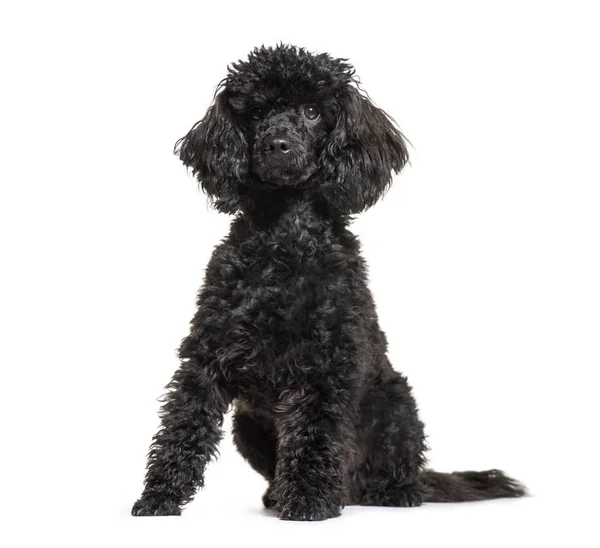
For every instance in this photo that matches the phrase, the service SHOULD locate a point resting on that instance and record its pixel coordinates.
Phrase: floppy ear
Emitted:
(363, 150)
(216, 151)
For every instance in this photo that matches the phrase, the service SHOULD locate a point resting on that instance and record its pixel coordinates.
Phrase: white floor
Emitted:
(527, 522)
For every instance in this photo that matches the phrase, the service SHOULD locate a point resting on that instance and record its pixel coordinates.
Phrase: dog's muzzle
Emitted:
(281, 158)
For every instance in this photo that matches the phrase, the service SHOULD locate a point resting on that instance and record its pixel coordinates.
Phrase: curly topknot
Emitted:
(288, 71)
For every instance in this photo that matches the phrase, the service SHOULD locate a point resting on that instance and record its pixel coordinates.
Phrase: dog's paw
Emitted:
(408, 497)
(269, 499)
(156, 505)
(308, 509)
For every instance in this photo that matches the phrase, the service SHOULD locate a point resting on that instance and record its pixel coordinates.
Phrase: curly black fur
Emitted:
(286, 328)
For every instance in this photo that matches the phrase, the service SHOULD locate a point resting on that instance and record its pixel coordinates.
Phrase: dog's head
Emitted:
(286, 118)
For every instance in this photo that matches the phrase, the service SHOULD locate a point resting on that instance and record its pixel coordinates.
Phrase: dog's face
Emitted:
(287, 118)
(285, 141)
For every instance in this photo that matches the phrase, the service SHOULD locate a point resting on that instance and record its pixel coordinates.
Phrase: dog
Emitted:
(286, 329)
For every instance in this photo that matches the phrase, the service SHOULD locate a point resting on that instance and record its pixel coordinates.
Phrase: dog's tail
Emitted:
(469, 486)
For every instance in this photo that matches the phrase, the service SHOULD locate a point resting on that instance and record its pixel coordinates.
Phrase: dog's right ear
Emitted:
(216, 151)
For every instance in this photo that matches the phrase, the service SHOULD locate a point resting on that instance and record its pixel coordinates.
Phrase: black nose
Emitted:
(277, 145)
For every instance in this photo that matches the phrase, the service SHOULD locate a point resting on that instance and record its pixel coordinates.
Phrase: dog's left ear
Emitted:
(365, 148)
(216, 151)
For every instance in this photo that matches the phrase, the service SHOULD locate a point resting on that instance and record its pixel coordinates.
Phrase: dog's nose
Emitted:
(277, 145)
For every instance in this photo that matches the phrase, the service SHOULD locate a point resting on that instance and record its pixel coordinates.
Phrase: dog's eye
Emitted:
(312, 113)
(256, 113)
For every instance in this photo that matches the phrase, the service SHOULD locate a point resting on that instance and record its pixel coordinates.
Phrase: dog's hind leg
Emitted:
(392, 470)
(255, 438)
(395, 442)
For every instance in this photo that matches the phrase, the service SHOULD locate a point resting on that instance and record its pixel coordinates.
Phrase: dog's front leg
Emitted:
(192, 416)
(315, 436)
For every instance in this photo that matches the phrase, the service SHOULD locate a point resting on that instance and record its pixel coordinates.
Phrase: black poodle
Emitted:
(286, 328)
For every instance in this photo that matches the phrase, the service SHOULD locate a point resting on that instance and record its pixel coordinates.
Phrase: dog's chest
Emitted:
(283, 298)
(276, 297)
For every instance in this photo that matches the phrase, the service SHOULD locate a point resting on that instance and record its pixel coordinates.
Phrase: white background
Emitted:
(484, 258)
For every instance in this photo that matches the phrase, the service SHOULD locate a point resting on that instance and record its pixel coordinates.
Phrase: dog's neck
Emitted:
(289, 210)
